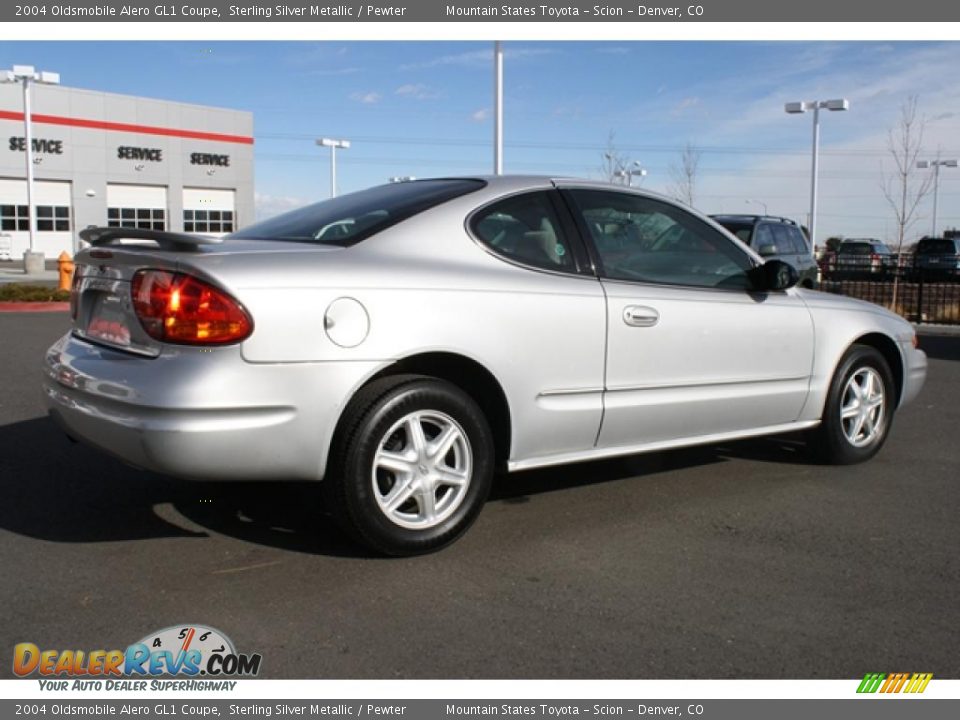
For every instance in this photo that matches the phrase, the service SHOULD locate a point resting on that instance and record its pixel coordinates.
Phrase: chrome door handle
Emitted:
(640, 316)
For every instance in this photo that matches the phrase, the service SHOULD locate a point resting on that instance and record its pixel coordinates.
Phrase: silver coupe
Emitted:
(404, 342)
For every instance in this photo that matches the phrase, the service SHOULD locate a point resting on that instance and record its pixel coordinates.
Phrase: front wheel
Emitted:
(413, 467)
(859, 408)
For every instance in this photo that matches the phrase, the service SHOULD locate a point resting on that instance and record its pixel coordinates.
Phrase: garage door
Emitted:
(137, 206)
(207, 211)
(53, 208)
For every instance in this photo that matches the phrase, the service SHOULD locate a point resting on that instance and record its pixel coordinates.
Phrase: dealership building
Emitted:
(102, 159)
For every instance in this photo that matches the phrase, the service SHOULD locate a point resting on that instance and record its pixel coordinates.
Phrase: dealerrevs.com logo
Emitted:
(179, 651)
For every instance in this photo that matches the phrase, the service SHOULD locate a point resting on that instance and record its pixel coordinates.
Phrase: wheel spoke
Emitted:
(427, 500)
(850, 411)
(398, 495)
(415, 436)
(857, 428)
(438, 449)
(451, 476)
(396, 462)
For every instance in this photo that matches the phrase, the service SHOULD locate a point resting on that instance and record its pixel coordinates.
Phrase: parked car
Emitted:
(775, 238)
(451, 327)
(937, 258)
(864, 258)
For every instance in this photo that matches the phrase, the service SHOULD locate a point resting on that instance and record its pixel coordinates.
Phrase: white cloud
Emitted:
(266, 206)
(613, 50)
(478, 58)
(481, 115)
(366, 98)
(332, 72)
(418, 91)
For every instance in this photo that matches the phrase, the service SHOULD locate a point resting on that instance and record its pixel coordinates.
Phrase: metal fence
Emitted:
(919, 295)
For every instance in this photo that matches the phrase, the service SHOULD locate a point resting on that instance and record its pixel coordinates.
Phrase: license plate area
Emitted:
(107, 321)
(105, 316)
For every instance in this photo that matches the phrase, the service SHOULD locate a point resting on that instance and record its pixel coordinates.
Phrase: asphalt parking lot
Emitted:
(740, 560)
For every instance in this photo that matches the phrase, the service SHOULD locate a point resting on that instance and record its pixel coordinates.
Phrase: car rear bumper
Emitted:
(204, 414)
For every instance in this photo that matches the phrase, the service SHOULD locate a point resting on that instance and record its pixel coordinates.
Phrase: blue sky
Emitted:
(423, 109)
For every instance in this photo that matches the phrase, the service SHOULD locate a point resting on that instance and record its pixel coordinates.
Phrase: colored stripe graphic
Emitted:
(127, 127)
(871, 681)
(894, 682)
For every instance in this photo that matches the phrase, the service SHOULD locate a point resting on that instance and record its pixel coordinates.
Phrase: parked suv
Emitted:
(775, 237)
(937, 258)
(864, 257)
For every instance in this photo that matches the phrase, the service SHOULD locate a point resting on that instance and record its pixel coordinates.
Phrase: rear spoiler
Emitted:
(165, 240)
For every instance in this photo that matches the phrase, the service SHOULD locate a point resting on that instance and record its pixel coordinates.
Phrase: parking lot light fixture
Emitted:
(759, 202)
(936, 165)
(798, 108)
(27, 75)
(628, 174)
(333, 144)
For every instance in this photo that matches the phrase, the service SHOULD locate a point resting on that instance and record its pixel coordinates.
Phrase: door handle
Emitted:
(640, 316)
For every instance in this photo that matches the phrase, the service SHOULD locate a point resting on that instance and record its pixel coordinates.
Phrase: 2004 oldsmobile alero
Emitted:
(403, 342)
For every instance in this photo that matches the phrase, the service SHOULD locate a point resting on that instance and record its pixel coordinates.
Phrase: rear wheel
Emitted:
(413, 467)
(859, 408)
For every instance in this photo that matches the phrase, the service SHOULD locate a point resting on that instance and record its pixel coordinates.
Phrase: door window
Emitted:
(645, 240)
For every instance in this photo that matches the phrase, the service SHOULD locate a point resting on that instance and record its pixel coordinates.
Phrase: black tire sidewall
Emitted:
(372, 526)
(834, 446)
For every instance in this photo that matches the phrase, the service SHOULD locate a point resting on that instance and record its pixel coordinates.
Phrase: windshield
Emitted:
(348, 219)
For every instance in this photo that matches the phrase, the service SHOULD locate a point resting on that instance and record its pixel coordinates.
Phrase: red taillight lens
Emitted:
(178, 308)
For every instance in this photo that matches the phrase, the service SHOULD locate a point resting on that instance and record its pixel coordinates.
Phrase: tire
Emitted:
(839, 440)
(389, 485)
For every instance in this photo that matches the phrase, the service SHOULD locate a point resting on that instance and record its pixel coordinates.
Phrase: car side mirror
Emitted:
(767, 250)
(774, 275)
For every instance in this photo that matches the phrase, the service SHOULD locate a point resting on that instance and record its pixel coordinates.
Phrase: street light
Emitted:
(27, 75)
(497, 108)
(759, 202)
(333, 145)
(797, 108)
(628, 174)
(936, 165)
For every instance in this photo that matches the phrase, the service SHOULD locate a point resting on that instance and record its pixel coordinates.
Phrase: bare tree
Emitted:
(903, 189)
(613, 162)
(684, 177)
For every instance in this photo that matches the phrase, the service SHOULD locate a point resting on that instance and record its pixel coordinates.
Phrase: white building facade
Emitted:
(102, 159)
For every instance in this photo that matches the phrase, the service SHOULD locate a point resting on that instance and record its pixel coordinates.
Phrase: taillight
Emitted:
(178, 308)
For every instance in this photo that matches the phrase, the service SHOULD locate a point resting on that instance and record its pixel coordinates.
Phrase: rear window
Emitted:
(348, 219)
(856, 248)
(945, 247)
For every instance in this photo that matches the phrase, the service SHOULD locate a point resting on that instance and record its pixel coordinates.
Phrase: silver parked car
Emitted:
(403, 342)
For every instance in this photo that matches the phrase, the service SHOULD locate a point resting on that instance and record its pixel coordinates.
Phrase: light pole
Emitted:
(627, 174)
(759, 202)
(27, 75)
(497, 108)
(936, 165)
(796, 108)
(333, 145)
